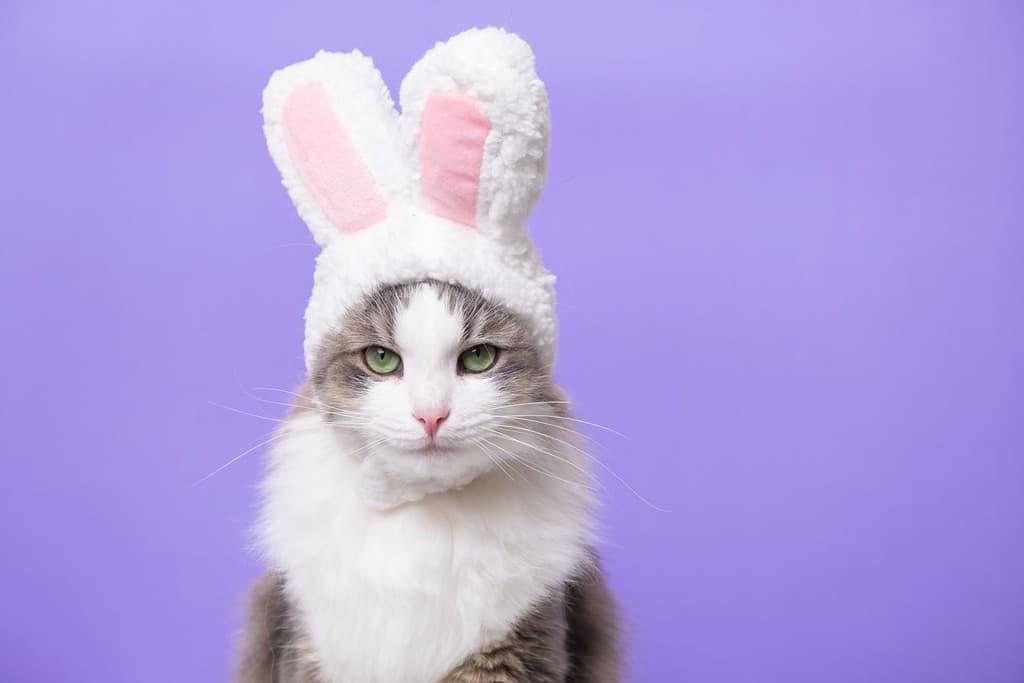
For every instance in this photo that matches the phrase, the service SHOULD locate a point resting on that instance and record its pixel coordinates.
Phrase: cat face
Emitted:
(426, 379)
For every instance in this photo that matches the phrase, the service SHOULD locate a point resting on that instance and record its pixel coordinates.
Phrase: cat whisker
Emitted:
(570, 419)
(277, 435)
(518, 459)
(352, 425)
(349, 423)
(522, 461)
(534, 403)
(243, 412)
(232, 461)
(543, 451)
(490, 456)
(304, 397)
(273, 403)
(604, 466)
(352, 418)
(570, 430)
(332, 409)
(281, 391)
(367, 446)
(248, 393)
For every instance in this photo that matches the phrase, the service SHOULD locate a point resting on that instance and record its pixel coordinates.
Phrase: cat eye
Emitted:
(380, 360)
(480, 358)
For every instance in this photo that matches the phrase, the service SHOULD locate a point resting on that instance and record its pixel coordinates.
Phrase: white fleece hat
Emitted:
(440, 191)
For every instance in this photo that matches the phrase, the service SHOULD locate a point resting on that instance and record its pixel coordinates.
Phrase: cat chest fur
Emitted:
(405, 594)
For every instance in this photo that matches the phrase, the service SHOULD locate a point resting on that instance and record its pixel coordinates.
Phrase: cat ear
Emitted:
(333, 133)
(476, 114)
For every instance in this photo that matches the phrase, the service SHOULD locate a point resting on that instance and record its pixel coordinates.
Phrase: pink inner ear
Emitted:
(327, 162)
(452, 135)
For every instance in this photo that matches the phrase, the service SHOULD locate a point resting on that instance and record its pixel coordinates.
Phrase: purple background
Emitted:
(788, 236)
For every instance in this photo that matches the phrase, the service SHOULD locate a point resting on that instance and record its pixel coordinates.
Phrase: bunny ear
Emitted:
(477, 115)
(332, 130)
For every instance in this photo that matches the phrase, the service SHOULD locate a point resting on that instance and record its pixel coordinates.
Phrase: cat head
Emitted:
(433, 384)
(437, 192)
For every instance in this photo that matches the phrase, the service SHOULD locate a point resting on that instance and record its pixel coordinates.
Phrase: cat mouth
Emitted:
(433, 448)
(427, 448)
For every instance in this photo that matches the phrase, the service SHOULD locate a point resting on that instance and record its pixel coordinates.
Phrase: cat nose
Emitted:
(431, 420)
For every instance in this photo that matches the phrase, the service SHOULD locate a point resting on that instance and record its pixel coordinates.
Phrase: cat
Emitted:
(427, 511)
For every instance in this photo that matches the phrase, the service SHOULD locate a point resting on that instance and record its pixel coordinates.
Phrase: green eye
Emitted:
(479, 358)
(382, 361)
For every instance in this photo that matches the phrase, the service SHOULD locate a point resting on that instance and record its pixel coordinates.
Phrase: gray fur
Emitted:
(275, 649)
(569, 637)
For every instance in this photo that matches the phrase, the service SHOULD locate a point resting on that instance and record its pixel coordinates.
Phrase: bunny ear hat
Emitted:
(439, 191)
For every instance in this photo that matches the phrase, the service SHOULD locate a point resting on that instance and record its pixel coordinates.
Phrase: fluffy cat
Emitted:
(427, 513)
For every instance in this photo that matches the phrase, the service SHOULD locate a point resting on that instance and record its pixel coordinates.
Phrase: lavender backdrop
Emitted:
(788, 236)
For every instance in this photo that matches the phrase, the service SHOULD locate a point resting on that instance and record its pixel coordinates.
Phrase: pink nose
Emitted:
(431, 420)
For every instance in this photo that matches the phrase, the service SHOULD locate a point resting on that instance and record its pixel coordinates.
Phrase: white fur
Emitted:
(403, 562)
(494, 68)
(405, 594)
